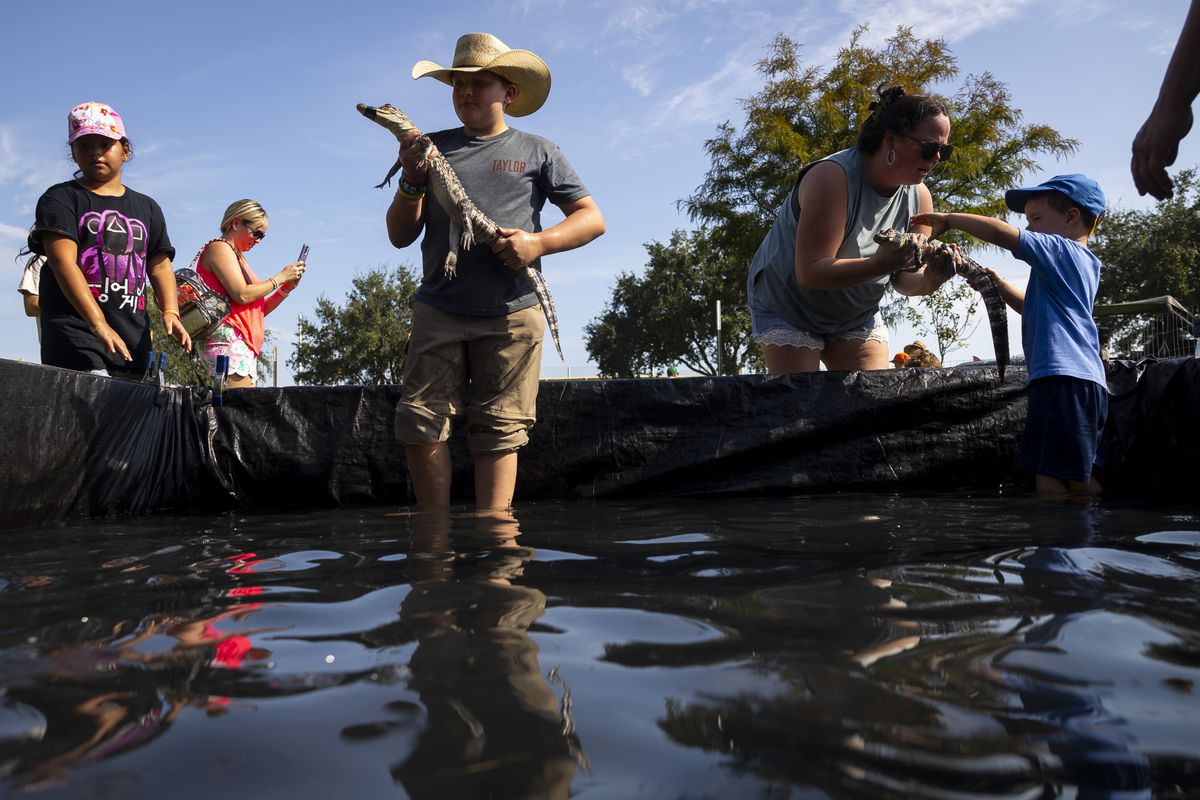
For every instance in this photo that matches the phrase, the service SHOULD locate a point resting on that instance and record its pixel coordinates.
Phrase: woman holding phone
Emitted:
(221, 263)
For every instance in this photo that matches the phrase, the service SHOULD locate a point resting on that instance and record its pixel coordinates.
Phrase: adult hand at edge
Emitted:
(1155, 148)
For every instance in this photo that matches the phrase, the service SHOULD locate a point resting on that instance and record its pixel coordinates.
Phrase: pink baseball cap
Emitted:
(91, 117)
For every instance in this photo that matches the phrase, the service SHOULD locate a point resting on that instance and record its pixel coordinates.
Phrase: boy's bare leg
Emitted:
(429, 469)
(495, 479)
(1091, 487)
(1058, 487)
(1047, 486)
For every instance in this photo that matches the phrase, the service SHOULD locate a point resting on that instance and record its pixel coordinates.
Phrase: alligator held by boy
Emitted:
(468, 225)
(977, 278)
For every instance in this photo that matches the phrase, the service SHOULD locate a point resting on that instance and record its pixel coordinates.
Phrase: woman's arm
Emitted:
(274, 300)
(61, 257)
(228, 269)
(821, 229)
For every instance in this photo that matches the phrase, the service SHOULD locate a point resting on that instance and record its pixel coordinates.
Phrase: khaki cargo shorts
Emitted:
(483, 368)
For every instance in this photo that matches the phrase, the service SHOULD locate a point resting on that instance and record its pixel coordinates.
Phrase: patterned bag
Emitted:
(200, 308)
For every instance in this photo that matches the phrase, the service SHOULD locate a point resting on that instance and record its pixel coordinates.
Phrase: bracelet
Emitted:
(418, 186)
(170, 311)
(411, 191)
(274, 284)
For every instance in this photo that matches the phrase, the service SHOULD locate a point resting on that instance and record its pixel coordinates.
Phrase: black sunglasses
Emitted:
(929, 149)
(258, 234)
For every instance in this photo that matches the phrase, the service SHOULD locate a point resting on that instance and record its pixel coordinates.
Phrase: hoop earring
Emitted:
(891, 156)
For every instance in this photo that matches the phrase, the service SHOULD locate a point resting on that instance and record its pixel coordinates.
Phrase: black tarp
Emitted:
(80, 445)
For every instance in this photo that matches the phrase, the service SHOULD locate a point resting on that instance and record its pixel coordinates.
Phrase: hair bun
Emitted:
(889, 95)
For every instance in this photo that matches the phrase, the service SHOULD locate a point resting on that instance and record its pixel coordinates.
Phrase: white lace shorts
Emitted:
(768, 329)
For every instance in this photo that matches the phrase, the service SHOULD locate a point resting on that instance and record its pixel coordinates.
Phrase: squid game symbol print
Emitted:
(114, 261)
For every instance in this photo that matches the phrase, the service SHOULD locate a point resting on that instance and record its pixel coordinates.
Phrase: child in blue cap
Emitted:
(1068, 391)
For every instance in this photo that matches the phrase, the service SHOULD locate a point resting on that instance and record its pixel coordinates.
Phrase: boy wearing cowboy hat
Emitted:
(1068, 387)
(477, 338)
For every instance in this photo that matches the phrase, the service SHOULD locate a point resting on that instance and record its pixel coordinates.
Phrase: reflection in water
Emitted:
(867, 646)
(120, 690)
(491, 725)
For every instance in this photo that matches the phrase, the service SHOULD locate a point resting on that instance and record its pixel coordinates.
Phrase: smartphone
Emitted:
(303, 253)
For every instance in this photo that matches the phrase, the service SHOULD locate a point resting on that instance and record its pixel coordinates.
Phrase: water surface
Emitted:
(830, 646)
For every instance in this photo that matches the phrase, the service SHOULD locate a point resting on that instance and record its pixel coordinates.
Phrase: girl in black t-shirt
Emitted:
(102, 240)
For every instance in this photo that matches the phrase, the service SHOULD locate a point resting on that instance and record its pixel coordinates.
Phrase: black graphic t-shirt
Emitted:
(117, 237)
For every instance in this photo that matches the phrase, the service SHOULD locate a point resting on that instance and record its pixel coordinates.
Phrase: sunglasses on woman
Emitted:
(930, 148)
(257, 233)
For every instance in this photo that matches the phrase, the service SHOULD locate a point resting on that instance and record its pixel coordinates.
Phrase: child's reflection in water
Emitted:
(492, 725)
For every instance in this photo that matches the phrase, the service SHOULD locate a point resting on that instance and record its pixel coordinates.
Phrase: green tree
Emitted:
(183, 368)
(947, 315)
(804, 113)
(362, 341)
(667, 316)
(1149, 254)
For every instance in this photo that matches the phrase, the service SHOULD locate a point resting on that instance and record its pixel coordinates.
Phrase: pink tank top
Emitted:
(246, 319)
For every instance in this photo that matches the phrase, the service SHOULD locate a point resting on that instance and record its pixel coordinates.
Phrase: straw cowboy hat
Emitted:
(476, 52)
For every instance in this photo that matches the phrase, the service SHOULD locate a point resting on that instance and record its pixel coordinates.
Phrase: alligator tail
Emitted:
(543, 295)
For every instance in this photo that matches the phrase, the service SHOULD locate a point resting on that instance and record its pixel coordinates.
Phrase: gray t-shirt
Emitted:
(772, 279)
(510, 176)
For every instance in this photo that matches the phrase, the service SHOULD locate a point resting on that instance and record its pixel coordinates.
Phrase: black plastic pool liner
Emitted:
(77, 445)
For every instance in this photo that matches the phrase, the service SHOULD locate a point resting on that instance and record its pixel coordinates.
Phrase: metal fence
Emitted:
(1158, 327)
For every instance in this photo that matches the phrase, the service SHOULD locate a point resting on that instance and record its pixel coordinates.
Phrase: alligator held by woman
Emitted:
(468, 225)
(977, 278)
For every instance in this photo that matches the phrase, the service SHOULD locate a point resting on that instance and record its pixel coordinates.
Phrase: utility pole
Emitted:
(719, 337)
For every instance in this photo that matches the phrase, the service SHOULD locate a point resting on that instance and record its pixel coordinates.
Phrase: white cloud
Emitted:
(8, 153)
(1161, 43)
(12, 237)
(178, 178)
(1138, 25)
(639, 77)
(933, 19)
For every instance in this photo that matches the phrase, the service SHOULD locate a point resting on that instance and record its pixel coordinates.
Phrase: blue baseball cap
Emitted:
(1082, 190)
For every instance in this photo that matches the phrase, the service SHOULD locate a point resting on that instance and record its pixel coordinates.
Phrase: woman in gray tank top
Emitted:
(817, 279)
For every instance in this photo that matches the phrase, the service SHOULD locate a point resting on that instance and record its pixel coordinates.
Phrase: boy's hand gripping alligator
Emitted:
(976, 277)
(468, 224)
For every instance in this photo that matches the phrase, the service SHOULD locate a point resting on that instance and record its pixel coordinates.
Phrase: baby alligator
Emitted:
(468, 224)
(976, 278)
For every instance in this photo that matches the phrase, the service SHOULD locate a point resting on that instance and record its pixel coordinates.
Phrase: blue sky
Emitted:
(224, 101)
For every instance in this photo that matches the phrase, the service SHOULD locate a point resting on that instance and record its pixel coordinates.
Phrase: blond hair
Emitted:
(248, 210)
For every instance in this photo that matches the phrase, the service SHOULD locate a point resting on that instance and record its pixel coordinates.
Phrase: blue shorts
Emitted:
(1062, 428)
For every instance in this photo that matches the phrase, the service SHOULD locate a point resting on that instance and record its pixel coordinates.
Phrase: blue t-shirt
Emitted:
(1057, 329)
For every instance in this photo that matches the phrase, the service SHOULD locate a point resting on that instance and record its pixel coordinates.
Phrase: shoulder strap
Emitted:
(196, 261)
(200, 252)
